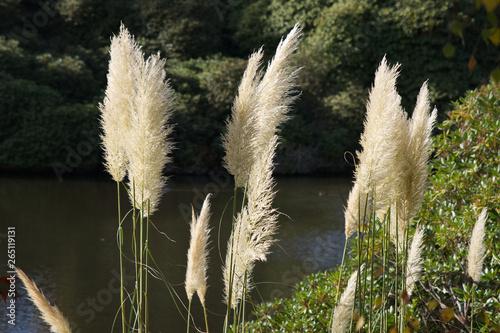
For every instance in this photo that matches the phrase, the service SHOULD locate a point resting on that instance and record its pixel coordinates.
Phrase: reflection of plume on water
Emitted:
(27, 315)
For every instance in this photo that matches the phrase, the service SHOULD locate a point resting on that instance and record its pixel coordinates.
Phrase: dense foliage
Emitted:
(464, 179)
(53, 62)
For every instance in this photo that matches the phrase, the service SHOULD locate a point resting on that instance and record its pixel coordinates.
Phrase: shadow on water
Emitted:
(66, 242)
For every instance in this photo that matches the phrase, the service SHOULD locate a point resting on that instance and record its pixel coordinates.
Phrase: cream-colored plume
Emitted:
(276, 90)
(117, 105)
(416, 160)
(414, 263)
(250, 144)
(477, 250)
(148, 147)
(380, 172)
(134, 118)
(357, 211)
(50, 314)
(242, 128)
(239, 264)
(343, 310)
(197, 256)
(260, 108)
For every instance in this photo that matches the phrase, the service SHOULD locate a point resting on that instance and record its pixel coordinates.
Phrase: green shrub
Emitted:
(465, 177)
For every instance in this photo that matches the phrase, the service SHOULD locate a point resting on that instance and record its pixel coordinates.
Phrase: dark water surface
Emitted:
(66, 242)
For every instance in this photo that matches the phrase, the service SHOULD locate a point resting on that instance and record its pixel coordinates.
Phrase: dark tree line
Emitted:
(54, 56)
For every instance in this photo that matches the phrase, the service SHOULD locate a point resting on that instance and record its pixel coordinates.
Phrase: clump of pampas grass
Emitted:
(250, 142)
(390, 183)
(393, 165)
(50, 314)
(134, 118)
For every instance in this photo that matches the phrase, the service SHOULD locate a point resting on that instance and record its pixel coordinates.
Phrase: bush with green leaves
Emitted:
(465, 171)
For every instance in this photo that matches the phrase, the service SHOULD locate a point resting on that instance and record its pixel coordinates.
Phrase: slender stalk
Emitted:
(206, 318)
(136, 261)
(396, 294)
(231, 267)
(372, 230)
(120, 247)
(146, 249)
(141, 260)
(189, 315)
(243, 303)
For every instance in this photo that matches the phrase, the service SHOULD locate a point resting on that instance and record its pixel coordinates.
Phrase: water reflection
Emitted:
(66, 241)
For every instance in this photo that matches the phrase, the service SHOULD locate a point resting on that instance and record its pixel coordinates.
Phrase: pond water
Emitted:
(66, 242)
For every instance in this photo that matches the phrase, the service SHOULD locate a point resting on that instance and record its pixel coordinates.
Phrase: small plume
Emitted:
(343, 310)
(197, 262)
(414, 263)
(50, 314)
(477, 250)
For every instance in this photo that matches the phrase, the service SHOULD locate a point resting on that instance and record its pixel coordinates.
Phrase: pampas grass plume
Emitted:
(148, 147)
(414, 263)
(380, 171)
(116, 108)
(50, 314)
(242, 127)
(134, 117)
(250, 143)
(197, 263)
(477, 250)
(343, 310)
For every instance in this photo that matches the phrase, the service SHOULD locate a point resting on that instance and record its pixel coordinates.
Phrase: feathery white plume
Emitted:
(250, 144)
(242, 128)
(50, 314)
(416, 158)
(117, 105)
(380, 171)
(147, 147)
(414, 263)
(197, 263)
(477, 250)
(343, 310)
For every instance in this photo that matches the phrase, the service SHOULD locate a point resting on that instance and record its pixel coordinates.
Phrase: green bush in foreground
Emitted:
(464, 178)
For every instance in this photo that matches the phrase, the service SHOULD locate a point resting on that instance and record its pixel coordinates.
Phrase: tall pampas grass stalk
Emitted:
(477, 251)
(134, 118)
(50, 314)
(197, 262)
(250, 142)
